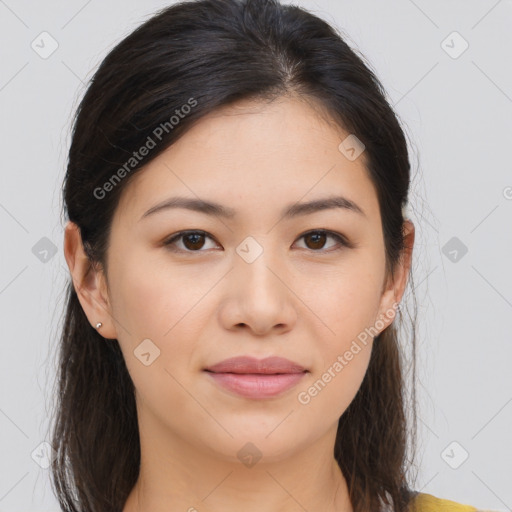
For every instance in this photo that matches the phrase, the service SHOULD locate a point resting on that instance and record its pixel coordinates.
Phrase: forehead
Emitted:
(254, 154)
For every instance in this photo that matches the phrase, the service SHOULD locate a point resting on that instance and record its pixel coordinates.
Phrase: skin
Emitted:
(301, 299)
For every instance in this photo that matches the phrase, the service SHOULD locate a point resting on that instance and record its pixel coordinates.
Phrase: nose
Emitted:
(259, 298)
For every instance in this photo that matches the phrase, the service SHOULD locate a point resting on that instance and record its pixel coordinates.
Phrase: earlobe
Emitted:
(88, 281)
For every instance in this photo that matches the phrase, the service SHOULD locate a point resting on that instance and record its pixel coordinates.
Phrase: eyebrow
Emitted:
(291, 211)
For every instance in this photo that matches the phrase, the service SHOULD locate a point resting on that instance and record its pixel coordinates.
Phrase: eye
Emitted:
(318, 237)
(194, 241)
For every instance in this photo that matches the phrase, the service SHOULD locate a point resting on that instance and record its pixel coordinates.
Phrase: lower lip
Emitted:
(260, 385)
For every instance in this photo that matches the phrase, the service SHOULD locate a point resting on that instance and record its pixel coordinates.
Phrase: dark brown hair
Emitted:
(207, 54)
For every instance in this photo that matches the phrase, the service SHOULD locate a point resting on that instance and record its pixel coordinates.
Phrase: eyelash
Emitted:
(341, 240)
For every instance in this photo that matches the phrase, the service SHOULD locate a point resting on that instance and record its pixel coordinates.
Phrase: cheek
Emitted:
(152, 300)
(346, 305)
(347, 302)
(340, 369)
(335, 380)
(159, 310)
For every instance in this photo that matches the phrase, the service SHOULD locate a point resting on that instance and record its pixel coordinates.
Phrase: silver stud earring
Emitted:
(98, 325)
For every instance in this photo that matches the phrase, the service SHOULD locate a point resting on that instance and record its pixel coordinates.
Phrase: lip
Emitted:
(248, 364)
(256, 378)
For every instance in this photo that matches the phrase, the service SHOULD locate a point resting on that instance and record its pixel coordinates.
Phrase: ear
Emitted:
(89, 282)
(395, 286)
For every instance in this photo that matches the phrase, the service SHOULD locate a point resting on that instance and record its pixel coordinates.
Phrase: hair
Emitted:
(184, 62)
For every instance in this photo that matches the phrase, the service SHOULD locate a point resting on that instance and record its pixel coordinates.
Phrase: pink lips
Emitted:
(256, 378)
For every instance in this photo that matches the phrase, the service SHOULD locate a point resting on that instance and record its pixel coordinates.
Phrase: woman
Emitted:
(235, 190)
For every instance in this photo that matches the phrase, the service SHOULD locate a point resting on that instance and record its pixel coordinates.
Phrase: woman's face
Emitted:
(257, 284)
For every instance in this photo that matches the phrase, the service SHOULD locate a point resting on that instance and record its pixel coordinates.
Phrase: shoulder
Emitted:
(423, 502)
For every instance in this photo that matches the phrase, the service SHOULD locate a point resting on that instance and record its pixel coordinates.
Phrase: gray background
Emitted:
(457, 112)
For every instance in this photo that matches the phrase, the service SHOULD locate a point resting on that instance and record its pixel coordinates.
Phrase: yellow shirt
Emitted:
(427, 503)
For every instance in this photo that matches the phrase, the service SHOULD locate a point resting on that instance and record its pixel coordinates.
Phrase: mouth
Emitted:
(256, 378)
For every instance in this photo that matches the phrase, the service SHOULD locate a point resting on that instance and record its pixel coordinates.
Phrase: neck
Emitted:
(175, 476)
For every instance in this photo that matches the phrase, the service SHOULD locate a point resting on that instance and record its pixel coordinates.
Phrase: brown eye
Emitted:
(192, 241)
(315, 240)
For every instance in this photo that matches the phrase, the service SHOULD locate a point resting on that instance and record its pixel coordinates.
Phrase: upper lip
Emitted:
(247, 364)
